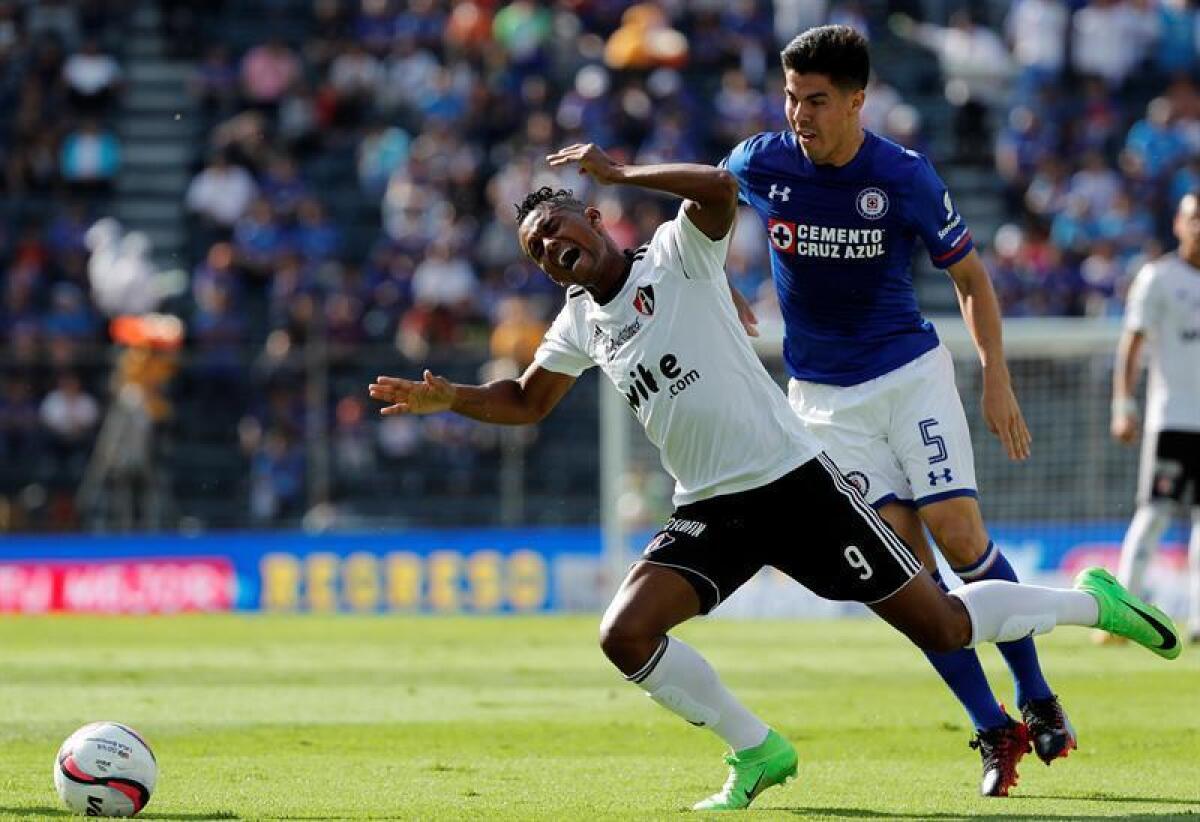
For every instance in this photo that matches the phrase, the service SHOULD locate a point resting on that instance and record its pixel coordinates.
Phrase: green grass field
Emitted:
(429, 718)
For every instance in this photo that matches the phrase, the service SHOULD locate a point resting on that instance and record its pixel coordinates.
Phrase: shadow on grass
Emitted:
(865, 813)
(1101, 796)
(43, 812)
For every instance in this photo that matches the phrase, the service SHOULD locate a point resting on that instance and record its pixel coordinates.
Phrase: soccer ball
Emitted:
(105, 769)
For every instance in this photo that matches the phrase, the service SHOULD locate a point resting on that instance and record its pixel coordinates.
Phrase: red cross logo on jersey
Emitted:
(643, 300)
(782, 234)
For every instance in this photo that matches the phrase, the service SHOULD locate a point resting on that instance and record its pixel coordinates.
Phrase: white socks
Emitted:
(680, 680)
(1007, 611)
(1140, 543)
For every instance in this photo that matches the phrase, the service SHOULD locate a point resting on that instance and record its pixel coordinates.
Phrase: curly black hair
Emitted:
(564, 198)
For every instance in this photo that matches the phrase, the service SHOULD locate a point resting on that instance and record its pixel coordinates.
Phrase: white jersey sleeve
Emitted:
(695, 254)
(1143, 311)
(561, 350)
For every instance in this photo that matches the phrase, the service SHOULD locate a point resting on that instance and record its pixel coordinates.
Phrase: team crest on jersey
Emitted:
(782, 234)
(643, 300)
(872, 203)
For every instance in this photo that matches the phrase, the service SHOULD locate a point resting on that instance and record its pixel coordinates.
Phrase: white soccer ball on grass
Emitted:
(105, 769)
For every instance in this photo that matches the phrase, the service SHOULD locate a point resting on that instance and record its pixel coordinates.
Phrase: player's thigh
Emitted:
(832, 542)
(651, 601)
(852, 426)
(711, 545)
(1170, 468)
(927, 615)
(929, 432)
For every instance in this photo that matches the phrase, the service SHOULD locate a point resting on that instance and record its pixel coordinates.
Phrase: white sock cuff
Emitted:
(641, 673)
(976, 570)
(956, 593)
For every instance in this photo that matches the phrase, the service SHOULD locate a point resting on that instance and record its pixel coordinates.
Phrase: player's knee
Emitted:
(961, 541)
(626, 643)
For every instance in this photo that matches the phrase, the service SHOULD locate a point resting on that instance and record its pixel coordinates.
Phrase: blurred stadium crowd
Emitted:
(356, 164)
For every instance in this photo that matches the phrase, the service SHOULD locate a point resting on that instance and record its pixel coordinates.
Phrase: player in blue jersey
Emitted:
(843, 209)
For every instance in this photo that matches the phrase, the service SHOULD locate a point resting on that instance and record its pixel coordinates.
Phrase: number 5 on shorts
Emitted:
(858, 562)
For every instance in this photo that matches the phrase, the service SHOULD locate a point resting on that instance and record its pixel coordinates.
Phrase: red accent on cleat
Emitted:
(1001, 749)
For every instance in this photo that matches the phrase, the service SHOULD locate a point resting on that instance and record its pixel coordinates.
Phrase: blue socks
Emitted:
(1021, 655)
(962, 672)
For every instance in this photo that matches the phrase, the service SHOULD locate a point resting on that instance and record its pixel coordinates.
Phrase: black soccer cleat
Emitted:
(1049, 729)
(1001, 749)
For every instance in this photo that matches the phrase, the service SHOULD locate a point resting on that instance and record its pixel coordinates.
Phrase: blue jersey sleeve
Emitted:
(935, 218)
(736, 162)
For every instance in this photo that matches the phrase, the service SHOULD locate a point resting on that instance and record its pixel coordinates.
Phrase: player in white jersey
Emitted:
(1163, 314)
(661, 323)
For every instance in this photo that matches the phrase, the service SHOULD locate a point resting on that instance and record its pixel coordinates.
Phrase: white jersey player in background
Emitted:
(752, 487)
(1163, 314)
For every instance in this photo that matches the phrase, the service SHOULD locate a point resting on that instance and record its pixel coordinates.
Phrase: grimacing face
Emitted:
(566, 244)
(822, 116)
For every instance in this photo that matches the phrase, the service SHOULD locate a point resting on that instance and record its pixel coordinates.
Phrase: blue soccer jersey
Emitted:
(841, 248)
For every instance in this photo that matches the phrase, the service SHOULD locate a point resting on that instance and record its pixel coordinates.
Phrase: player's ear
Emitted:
(857, 99)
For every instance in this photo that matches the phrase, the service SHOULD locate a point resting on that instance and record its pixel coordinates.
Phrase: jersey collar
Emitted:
(850, 168)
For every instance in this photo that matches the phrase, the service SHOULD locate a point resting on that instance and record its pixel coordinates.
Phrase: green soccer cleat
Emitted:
(752, 771)
(1123, 614)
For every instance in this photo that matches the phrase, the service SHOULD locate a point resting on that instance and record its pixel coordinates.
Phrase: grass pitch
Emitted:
(521, 718)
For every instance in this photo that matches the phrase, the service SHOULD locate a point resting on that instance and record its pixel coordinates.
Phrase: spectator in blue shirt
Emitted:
(1154, 144)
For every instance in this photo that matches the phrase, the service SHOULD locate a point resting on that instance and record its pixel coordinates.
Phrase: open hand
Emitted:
(1003, 417)
(430, 396)
(591, 160)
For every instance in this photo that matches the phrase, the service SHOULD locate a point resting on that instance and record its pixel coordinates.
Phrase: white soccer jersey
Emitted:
(671, 342)
(1164, 304)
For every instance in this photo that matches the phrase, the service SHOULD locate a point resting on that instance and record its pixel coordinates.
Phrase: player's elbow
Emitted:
(727, 185)
(537, 410)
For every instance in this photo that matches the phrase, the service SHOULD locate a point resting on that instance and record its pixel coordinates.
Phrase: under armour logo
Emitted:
(781, 193)
(944, 475)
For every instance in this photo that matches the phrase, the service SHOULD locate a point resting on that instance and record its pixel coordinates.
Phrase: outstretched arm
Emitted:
(981, 310)
(710, 196)
(710, 192)
(522, 401)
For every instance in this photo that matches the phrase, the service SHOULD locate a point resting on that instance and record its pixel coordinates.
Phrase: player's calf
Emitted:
(932, 619)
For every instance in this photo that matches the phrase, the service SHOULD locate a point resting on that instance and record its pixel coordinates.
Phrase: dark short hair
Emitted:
(564, 198)
(838, 52)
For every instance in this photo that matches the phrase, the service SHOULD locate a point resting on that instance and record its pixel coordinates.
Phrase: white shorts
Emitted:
(902, 437)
